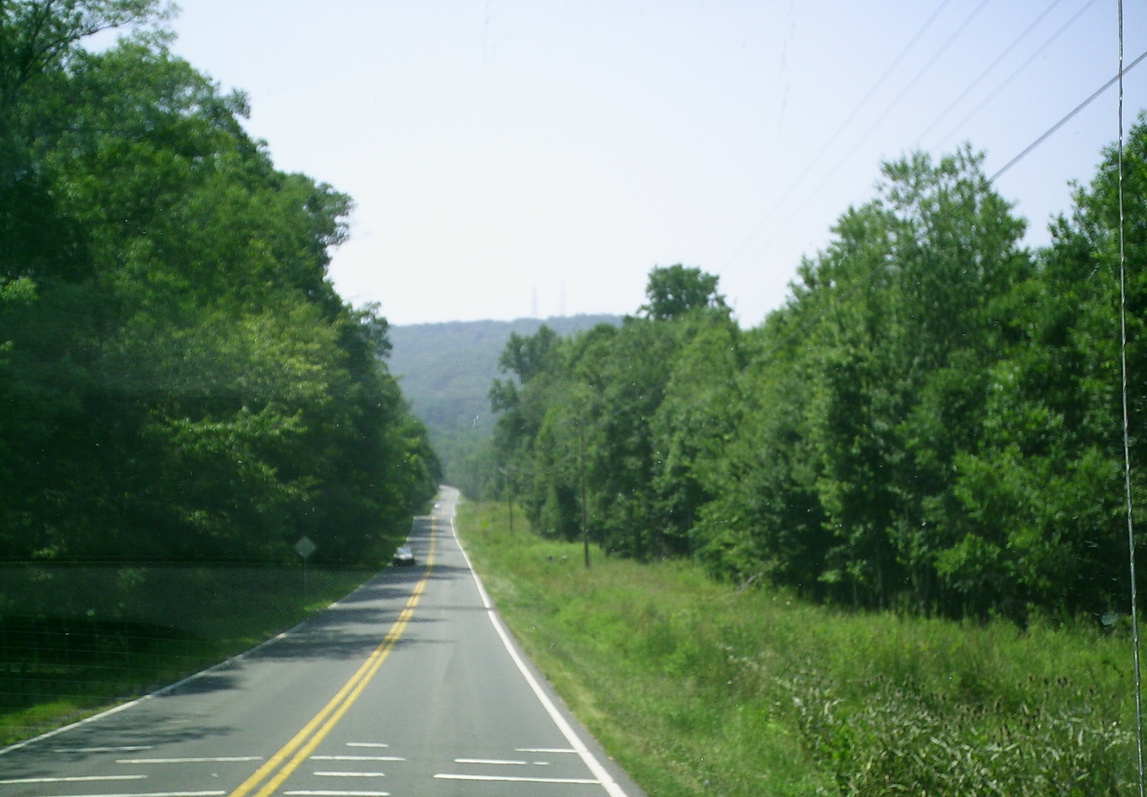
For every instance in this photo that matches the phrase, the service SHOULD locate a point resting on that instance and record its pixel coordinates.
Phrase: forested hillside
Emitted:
(931, 422)
(445, 371)
(179, 380)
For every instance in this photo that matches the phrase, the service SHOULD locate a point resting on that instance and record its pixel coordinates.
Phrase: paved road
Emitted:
(408, 686)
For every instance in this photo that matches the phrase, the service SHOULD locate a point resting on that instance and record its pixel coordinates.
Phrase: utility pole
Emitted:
(509, 495)
(581, 468)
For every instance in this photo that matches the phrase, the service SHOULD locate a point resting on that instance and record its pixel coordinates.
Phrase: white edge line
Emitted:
(127, 748)
(162, 794)
(172, 687)
(600, 772)
(49, 734)
(159, 692)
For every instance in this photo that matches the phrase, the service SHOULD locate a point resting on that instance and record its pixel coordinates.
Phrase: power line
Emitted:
(1027, 151)
(1118, 78)
(892, 105)
(872, 128)
(867, 277)
(990, 67)
(1016, 73)
(840, 129)
(923, 70)
(796, 209)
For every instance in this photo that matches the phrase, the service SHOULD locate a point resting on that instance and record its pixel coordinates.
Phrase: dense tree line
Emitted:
(178, 378)
(445, 370)
(931, 422)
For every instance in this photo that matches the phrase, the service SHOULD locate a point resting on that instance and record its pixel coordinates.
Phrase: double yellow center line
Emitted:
(282, 764)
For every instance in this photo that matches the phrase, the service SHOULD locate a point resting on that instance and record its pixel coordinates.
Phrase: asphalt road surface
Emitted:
(408, 686)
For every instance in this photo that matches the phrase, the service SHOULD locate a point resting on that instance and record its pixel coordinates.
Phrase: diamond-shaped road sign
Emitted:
(304, 547)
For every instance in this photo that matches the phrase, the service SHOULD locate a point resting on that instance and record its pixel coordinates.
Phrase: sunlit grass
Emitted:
(702, 688)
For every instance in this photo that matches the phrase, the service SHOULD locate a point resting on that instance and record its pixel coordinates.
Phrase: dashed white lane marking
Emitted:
(356, 758)
(509, 779)
(127, 748)
(546, 750)
(366, 744)
(195, 760)
(491, 761)
(71, 779)
(349, 774)
(324, 793)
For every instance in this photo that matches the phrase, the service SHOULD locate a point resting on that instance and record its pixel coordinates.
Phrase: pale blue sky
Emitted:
(512, 155)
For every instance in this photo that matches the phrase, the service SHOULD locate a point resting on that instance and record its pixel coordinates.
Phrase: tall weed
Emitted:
(701, 688)
(897, 742)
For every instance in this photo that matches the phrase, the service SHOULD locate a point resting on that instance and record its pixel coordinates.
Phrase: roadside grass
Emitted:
(75, 640)
(704, 688)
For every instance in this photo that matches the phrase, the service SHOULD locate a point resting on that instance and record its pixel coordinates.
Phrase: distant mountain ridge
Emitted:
(446, 369)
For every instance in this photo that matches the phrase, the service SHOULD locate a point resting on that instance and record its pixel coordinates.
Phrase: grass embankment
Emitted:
(75, 640)
(702, 688)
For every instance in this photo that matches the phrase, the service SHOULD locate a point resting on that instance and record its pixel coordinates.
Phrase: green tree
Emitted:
(588, 409)
(673, 291)
(1046, 486)
(180, 379)
(694, 424)
(869, 385)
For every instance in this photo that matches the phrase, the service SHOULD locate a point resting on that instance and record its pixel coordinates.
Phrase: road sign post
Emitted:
(304, 548)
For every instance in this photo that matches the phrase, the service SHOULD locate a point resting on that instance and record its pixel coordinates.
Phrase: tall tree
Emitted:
(180, 379)
(1045, 487)
(675, 290)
